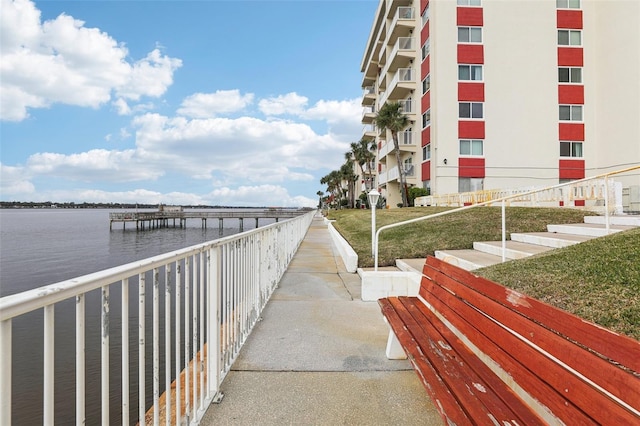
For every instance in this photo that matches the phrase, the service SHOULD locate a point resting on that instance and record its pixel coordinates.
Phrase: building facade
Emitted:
(504, 94)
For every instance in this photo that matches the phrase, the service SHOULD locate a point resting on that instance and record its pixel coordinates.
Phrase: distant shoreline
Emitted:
(53, 205)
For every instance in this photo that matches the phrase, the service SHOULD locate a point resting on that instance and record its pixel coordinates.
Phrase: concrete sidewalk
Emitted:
(318, 355)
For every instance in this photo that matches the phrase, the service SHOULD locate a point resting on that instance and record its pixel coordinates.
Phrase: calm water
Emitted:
(44, 246)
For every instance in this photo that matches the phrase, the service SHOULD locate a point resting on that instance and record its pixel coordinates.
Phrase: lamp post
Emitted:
(373, 200)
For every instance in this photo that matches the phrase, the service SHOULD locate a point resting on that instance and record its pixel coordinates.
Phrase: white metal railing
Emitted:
(369, 90)
(600, 187)
(406, 106)
(216, 290)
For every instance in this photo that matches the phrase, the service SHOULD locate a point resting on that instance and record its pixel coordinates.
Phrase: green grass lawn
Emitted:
(598, 280)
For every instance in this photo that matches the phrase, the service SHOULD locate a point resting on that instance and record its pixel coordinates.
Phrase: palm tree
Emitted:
(363, 153)
(320, 194)
(334, 184)
(392, 118)
(346, 170)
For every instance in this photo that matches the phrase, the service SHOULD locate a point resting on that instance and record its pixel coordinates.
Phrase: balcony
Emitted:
(369, 131)
(369, 96)
(403, 52)
(406, 106)
(403, 82)
(405, 143)
(403, 22)
(368, 114)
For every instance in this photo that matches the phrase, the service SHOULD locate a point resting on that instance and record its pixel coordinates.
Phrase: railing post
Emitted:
(504, 232)
(5, 372)
(125, 351)
(104, 358)
(80, 359)
(606, 203)
(49, 351)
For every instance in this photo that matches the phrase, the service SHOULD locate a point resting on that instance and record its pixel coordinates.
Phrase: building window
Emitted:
(568, 4)
(470, 110)
(426, 184)
(471, 147)
(571, 112)
(425, 16)
(570, 38)
(426, 118)
(469, 34)
(426, 152)
(569, 75)
(470, 72)
(426, 47)
(570, 149)
(469, 2)
(470, 184)
(426, 84)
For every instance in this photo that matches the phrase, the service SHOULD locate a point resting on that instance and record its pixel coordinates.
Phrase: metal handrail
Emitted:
(502, 201)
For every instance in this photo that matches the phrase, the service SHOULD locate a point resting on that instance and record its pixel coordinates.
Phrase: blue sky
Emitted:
(238, 103)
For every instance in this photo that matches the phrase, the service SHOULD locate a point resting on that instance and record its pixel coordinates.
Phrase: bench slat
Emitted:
(444, 401)
(612, 378)
(619, 348)
(487, 377)
(447, 355)
(492, 339)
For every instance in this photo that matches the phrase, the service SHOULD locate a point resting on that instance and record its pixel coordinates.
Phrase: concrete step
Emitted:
(468, 259)
(588, 229)
(550, 239)
(513, 249)
(629, 220)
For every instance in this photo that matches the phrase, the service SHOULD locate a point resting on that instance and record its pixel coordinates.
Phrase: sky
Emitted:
(209, 102)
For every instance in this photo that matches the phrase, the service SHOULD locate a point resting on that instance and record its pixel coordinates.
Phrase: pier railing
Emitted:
(184, 315)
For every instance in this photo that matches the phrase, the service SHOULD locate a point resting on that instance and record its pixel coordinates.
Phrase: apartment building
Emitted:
(504, 94)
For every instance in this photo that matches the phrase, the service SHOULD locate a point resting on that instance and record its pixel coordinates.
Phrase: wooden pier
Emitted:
(170, 218)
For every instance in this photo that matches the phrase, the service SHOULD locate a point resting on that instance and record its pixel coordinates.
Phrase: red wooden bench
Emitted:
(490, 355)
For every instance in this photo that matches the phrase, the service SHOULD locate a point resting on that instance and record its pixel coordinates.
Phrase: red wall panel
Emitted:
(471, 92)
(426, 136)
(471, 129)
(571, 131)
(470, 54)
(571, 169)
(426, 170)
(469, 16)
(471, 167)
(424, 34)
(425, 102)
(570, 57)
(569, 19)
(571, 94)
(424, 70)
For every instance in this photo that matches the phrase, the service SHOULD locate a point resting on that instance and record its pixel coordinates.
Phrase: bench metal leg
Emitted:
(394, 349)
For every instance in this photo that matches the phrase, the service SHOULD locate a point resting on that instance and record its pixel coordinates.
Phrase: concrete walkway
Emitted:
(318, 355)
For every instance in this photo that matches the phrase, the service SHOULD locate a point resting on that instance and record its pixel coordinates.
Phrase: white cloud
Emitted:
(259, 196)
(98, 165)
(208, 105)
(291, 103)
(14, 181)
(62, 61)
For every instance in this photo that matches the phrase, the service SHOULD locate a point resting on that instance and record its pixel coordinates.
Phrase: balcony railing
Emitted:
(406, 106)
(198, 306)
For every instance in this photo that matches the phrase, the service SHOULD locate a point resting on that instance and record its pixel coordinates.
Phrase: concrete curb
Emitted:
(349, 256)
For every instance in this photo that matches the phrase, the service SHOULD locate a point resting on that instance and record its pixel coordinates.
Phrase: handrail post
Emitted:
(5, 372)
(504, 232)
(606, 203)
